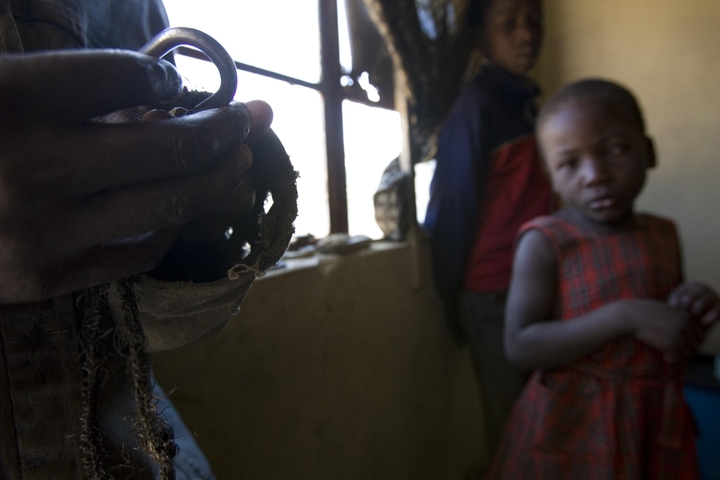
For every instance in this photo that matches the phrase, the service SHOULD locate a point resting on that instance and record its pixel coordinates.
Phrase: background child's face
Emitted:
(512, 34)
(597, 158)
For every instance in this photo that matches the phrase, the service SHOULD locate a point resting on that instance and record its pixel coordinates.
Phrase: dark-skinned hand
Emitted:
(83, 203)
(664, 327)
(702, 304)
(698, 300)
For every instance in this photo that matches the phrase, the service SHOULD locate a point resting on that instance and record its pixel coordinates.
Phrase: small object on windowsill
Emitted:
(302, 241)
(391, 202)
(342, 243)
(301, 252)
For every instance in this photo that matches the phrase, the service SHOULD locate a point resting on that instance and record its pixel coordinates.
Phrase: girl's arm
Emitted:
(533, 339)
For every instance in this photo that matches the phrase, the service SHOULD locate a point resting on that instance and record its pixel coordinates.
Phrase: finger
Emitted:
(126, 115)
(73, 86)
(94, 157)
(687, 298)
(680, 297)
(241, 199)
(701, 303)
(93, 267)
(149, 207)
(674, 297)
(711, 316)
(155, 115)
(262, 117)
(691, 294)
(107, 263)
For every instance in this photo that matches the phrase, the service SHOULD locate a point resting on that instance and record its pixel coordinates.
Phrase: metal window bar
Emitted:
(333, 95)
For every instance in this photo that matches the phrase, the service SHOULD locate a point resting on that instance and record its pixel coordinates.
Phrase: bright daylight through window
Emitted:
(283, 36)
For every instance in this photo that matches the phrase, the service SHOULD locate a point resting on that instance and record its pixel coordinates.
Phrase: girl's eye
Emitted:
(509, 24)
(533, 20)
(615, 149)
(570, 162)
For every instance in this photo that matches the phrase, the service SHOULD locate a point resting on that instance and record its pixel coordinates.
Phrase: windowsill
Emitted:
(320, 260)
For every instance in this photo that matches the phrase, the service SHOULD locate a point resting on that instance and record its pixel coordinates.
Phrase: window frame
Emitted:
(333, 94)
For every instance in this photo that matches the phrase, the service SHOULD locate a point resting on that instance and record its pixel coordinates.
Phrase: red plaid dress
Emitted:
(619, 412)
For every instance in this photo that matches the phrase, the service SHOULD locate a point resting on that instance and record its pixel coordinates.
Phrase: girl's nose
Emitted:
(525, 32)
(595, 171)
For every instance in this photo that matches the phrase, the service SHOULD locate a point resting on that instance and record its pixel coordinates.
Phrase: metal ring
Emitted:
(171, 38)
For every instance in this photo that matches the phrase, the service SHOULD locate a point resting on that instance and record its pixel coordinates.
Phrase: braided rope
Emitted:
(151, 429)
(93, 303)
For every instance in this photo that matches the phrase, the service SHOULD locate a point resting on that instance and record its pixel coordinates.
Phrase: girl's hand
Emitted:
(698, 300)
(666, 328)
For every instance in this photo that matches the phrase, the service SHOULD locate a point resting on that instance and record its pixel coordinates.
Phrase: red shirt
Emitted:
(517, 191)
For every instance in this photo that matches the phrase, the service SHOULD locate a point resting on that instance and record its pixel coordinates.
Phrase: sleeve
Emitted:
(9, 36)
(455, 192)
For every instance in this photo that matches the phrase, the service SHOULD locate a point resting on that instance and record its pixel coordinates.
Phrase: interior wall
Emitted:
(342, 369)
(666, 52)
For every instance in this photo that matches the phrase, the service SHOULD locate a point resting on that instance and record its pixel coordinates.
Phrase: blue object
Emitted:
(705, 406)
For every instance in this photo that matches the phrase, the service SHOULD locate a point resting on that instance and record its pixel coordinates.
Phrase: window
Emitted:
(277, 47)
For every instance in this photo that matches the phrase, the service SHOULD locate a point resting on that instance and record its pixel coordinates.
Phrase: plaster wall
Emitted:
(666, 52)
(339, 368)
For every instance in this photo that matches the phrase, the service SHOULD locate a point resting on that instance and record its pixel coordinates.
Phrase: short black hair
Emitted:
(476, 13)
(595, 89)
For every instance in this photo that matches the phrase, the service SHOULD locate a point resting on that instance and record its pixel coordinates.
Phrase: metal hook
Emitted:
(171, 38)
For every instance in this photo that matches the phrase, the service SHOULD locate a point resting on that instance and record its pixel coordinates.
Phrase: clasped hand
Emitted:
(83, 203)
(678, 326)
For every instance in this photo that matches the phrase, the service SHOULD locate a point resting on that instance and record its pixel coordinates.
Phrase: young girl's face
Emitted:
(597, 158)
(512, 34)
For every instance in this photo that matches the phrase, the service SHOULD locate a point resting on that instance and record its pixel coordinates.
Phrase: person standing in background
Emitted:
(488, 181)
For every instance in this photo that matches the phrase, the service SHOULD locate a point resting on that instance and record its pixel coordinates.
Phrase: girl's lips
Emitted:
(527, 56)
(603, 202)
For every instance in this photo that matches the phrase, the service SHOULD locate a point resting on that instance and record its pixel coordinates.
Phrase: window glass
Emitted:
(372, 141)
(278, 35)
(344, 38)
(298, 121)
(423, 176)
(372, 135)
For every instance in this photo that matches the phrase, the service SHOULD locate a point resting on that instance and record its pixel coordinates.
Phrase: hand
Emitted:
(668, 329)
(212, 224)
(697, 300)
(85, 203)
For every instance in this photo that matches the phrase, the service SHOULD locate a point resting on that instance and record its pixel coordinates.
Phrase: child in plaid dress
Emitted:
(598, 307)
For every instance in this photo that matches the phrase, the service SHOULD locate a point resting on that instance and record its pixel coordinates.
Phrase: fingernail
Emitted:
(261, 115)
(155, 115)
(710, 318)
(244, 118)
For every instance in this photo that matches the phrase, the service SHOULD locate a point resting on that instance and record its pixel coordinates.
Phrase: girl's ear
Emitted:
(652, 159)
